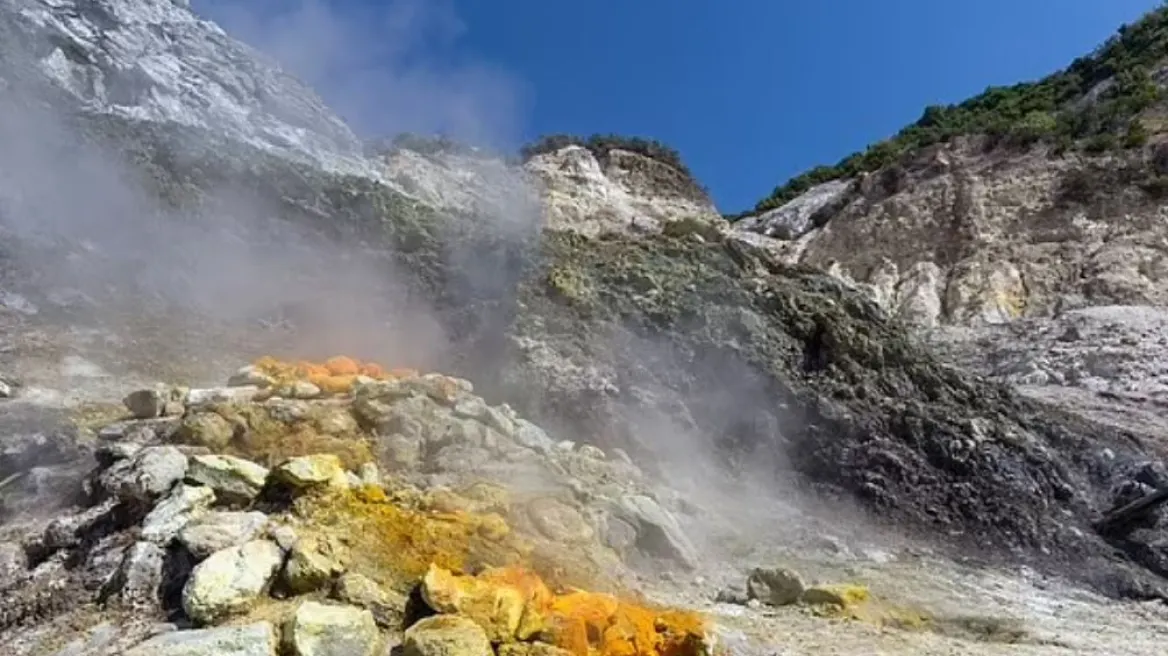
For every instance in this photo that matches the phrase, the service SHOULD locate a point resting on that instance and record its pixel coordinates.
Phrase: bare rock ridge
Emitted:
(567, 189)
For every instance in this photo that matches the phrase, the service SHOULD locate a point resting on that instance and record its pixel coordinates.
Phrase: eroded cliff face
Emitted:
(970, 236)
(569, 189)
(626, 192)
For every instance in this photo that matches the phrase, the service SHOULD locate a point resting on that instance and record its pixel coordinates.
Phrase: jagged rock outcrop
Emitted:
(625, 192)
(566, 189)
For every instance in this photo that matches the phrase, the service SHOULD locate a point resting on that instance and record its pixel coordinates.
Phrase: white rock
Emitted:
(648, 516)
(230, 581)
(257, 639)
(187, 71)
(233, 479)
(250, 376)
(139, 579)
(317, 629)
(219, 530)
(796, 217)
(242, 394)
(532, 436)
(581, 194)
(174, 512)
(446, 635)
(13, 561)
(300, 389)
(151, 473)
(593, 452)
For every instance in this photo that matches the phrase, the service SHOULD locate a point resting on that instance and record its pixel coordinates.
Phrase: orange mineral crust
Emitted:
(514, 604)
(336, 375)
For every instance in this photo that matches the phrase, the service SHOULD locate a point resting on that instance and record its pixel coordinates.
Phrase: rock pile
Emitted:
(336, 509)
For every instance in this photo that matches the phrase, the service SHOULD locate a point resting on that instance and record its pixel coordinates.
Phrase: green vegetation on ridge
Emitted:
(1093, 104)
(601, 144)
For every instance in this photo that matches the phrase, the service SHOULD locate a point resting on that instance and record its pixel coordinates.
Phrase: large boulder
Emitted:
(184, 503)
(317, 629)
(231, 580)
(446, 635)
(150, 474)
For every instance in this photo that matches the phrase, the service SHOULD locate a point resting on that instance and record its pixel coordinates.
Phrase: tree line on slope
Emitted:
(598, 144)
(1092, 104)
(601, 144)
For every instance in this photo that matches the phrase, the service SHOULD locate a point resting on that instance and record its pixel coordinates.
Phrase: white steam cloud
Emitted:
(384, 67)
(82, 229)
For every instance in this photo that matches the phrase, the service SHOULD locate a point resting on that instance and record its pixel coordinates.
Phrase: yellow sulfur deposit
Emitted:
(514, 604)
(269, 441)
(395, 546)
(465, 547)
(855, 602)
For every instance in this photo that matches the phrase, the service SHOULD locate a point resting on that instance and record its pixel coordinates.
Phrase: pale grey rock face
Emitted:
(155, 60)
(465, 183)
(1113, 350)
(151, 473)
(797, 217)
(174, 512)
(221, 530)
(961, 236)
(652, 518)
(630, 193)
(569, 189)
(317, 629)
(140, 576)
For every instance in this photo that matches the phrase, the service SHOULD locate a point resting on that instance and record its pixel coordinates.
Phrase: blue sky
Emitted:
(750, 91)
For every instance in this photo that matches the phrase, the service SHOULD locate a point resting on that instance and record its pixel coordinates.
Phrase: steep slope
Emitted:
(155, 60)
(1025, 202)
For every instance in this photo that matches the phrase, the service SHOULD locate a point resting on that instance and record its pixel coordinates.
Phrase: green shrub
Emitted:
(601, 144)
(1054, 110)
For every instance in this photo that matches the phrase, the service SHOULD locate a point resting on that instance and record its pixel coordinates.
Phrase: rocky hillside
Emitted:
(1021, 202)
(961, 236)
(623, 364)
(565, 187)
